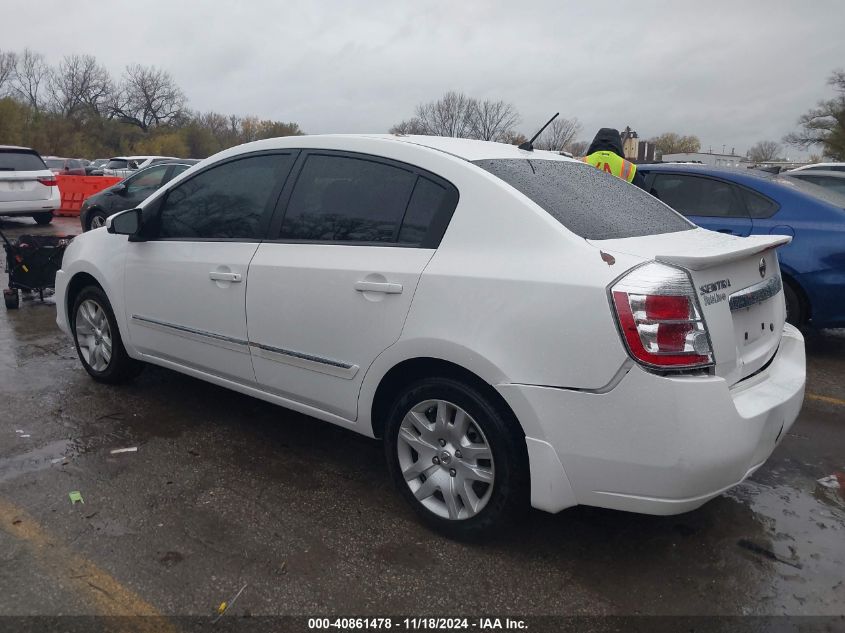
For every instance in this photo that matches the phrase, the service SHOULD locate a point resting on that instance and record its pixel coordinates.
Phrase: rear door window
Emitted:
(345, 199)
(698, 196)
(150, 179)
(429, 201)
(590, 203)
(228, 201)
(759, 206)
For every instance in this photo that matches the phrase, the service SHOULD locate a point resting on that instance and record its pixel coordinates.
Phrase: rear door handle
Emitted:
(376, 286)
(217, 276)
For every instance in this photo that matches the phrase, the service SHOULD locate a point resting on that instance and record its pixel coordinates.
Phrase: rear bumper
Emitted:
(656, 444)
(28, 207)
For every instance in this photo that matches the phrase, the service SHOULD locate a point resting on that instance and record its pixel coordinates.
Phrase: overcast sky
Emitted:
(732, 73)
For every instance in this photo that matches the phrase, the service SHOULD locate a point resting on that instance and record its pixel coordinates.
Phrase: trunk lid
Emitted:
(738, 287)
(20, 186)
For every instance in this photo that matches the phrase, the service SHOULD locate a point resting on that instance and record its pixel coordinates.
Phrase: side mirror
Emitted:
(119, 188)
(125, 223)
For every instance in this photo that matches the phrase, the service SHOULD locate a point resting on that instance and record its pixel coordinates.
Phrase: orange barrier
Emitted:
(75, 189)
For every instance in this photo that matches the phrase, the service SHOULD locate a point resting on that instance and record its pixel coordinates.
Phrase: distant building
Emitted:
(630, 143)
(635, 149)
(707, 158)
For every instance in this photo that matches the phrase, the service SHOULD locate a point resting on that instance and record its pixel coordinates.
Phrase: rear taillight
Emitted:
(660, 319)
(48, 181)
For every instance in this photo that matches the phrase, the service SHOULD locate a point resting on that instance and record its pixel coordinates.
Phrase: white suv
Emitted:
(123, 166)
(27, 186)
(517, 326)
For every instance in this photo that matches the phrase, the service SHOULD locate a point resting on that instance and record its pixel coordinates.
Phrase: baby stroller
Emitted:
(32, 262)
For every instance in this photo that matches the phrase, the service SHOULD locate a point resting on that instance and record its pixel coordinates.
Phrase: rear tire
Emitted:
(97, 339)
(458, 457)
(796, 311)
(42, 219)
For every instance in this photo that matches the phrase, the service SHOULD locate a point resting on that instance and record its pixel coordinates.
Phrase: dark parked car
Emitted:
(128, 193)
(65, 166)
(750, 202)
(834, 180)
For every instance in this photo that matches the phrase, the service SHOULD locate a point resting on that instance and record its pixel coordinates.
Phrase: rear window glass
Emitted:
(116, 164)
(20, 161)
(588, 202)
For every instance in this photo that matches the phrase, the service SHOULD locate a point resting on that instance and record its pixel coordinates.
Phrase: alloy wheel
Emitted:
(445, 459)
(97, 221)
(93, 335)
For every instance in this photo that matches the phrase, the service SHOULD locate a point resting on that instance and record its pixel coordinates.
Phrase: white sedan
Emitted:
(516, 326)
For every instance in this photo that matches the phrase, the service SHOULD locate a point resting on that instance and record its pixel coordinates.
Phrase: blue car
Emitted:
(750, 202)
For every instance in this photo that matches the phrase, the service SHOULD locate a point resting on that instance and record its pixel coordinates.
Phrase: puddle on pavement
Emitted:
(41, 458)
(802, 546)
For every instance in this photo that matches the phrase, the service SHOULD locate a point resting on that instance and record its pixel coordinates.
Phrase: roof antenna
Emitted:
(528, 146)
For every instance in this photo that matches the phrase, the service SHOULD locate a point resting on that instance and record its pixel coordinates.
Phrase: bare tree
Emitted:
(451, 115)
(8, 61)
(493, 120)
(764, 151)
(148, 97)
(79, 85)
(578, 148)
(559, 135)
(409, 126)
(30, 78)
(824, 125)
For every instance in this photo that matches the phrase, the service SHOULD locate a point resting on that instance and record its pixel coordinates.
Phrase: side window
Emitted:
(148, 179)
(758, 206)
(693, 195)
(338, 198)
(229, 201)
(428, 200)
(174, 171)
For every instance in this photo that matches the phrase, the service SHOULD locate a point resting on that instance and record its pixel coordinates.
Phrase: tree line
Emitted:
(77, 108)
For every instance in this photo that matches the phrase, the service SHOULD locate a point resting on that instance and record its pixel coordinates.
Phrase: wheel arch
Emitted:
(79, 281)
(410, 370)
(791, 278)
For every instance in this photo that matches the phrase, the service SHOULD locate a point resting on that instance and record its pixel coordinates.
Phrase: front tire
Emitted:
(457, 456)
(96, 219)
(43, 219)
(97, 339)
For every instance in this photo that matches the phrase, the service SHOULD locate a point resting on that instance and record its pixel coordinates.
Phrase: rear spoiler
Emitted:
(722, 252)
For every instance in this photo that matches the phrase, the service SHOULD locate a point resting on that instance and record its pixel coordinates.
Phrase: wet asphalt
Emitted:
(226, 491)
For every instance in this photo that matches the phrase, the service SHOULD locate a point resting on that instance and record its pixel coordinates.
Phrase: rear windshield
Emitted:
(588, 202)
(817, 191)
(116, 164)
(12, 160)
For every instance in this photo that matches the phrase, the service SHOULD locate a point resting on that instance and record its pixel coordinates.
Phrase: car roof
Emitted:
(466, 149)
(17, 147)
(815, 166)
(469, 149)
(813, 173)
(740, 173)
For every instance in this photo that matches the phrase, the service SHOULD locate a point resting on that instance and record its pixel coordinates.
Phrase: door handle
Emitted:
(217, 276)
(376, 286)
